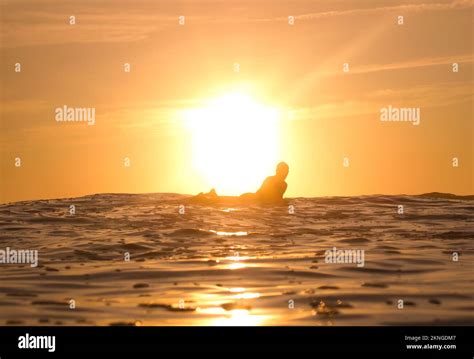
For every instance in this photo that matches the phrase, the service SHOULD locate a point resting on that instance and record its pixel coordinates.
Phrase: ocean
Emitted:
(154, 259)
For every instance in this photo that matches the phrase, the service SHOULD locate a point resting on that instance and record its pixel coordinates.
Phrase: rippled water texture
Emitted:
(238, 266)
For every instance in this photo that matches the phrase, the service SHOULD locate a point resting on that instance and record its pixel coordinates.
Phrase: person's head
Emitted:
(282, 170)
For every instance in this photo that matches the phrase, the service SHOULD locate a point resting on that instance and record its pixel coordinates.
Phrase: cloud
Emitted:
(423, 62)
(429, 96)
(458, 4)
(26, 24)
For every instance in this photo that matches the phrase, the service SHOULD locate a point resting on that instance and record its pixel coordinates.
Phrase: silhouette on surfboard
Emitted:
(270, 192)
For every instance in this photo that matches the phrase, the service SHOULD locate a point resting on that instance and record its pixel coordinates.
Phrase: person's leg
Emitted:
(248, 197)
(210, 197)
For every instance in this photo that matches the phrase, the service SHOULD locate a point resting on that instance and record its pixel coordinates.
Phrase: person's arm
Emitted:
(285, 186)
(264, 185)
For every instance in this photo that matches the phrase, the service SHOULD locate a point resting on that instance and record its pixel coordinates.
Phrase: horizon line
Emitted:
(433, 194)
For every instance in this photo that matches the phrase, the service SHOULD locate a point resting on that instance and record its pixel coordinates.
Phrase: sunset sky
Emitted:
(289, 100)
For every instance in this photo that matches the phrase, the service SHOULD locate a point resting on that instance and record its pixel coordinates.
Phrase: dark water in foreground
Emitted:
(238, 266)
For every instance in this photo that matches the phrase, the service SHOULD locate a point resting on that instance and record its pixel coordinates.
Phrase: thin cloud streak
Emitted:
(455, 5)
(417, 63)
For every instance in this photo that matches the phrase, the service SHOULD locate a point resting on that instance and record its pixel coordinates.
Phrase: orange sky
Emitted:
(327, 114)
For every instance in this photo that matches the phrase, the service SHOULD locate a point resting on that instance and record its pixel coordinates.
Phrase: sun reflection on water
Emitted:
(237, 290)
(236, 258)
(246, 296)
(234, 266)
(228, 210)
(222, 233)
(235, 317)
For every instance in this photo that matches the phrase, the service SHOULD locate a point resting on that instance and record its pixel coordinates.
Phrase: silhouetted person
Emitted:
(271, 190)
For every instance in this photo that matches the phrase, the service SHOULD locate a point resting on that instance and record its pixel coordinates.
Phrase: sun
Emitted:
(234, 142)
